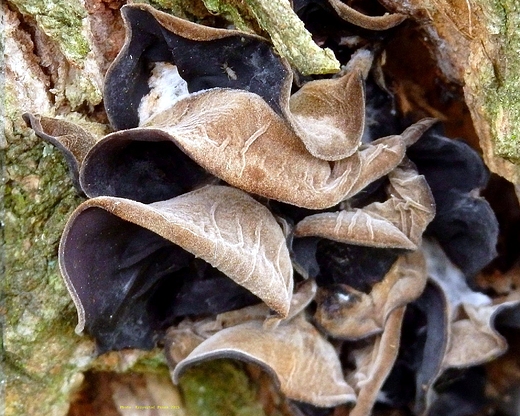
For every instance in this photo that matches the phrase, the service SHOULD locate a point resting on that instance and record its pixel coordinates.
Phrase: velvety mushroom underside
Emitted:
(143, 165)
(465, 224)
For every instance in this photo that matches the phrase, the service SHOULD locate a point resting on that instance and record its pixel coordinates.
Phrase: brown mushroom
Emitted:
(397, 223)
(73, 141)
(301, 361)
(374, 363)
(472, 337)
(181, 339)
(329, 115)
(468, 337)
(237, 137)
(351, 15)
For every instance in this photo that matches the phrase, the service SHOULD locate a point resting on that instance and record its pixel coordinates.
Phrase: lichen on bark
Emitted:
(65, 23)
(39, 341)
(502, 87)
(187, 9)
(62, 21)
(219, 388)
(43, 357)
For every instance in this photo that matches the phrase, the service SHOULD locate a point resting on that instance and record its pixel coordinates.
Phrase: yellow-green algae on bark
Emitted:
(235, 11)
(501, 87)
(62, 20)
(193, 10)
(291, 39)
(492, 84)
(219, 388)
(44, 357)
(66, 23)
(476, 44)
(287, 32)
(42, 354)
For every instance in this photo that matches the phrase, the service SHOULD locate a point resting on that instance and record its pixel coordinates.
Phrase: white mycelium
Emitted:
(166, 88)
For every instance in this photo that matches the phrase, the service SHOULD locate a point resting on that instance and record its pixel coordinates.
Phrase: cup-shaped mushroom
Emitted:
(204, 57)
(465, 224)
(357, 18)
(373, 363)
(304, 365)
(131, 271)
(357, 246)
(329, 115)
(397, 223)
(426, 326)
(165, 57)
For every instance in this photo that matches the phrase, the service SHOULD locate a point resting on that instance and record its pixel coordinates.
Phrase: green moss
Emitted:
(62, 21)
(219, 388)
(502, 82)
(152, 362)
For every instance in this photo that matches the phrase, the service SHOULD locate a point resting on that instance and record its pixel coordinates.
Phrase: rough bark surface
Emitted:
(475, 45)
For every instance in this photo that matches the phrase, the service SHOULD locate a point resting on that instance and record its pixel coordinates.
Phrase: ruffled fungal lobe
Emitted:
(116, 253)
(300, 360)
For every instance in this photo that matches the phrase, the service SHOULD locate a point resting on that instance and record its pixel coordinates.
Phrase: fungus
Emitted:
(374, 363)
(351, 15)
(118, 256)
(164, 253)
(455, 329)
(465, 224)
(137, 165)
(235, 136)
(397, 223)
(72, 141)
(180, 340)
(302, 362)
(142, 165)
(200, 55)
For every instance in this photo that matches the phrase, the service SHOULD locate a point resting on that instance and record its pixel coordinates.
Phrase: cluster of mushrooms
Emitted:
(228, 217)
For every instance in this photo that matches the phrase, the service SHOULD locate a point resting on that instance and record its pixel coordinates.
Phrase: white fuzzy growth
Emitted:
(166, 88)
(450, 278)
